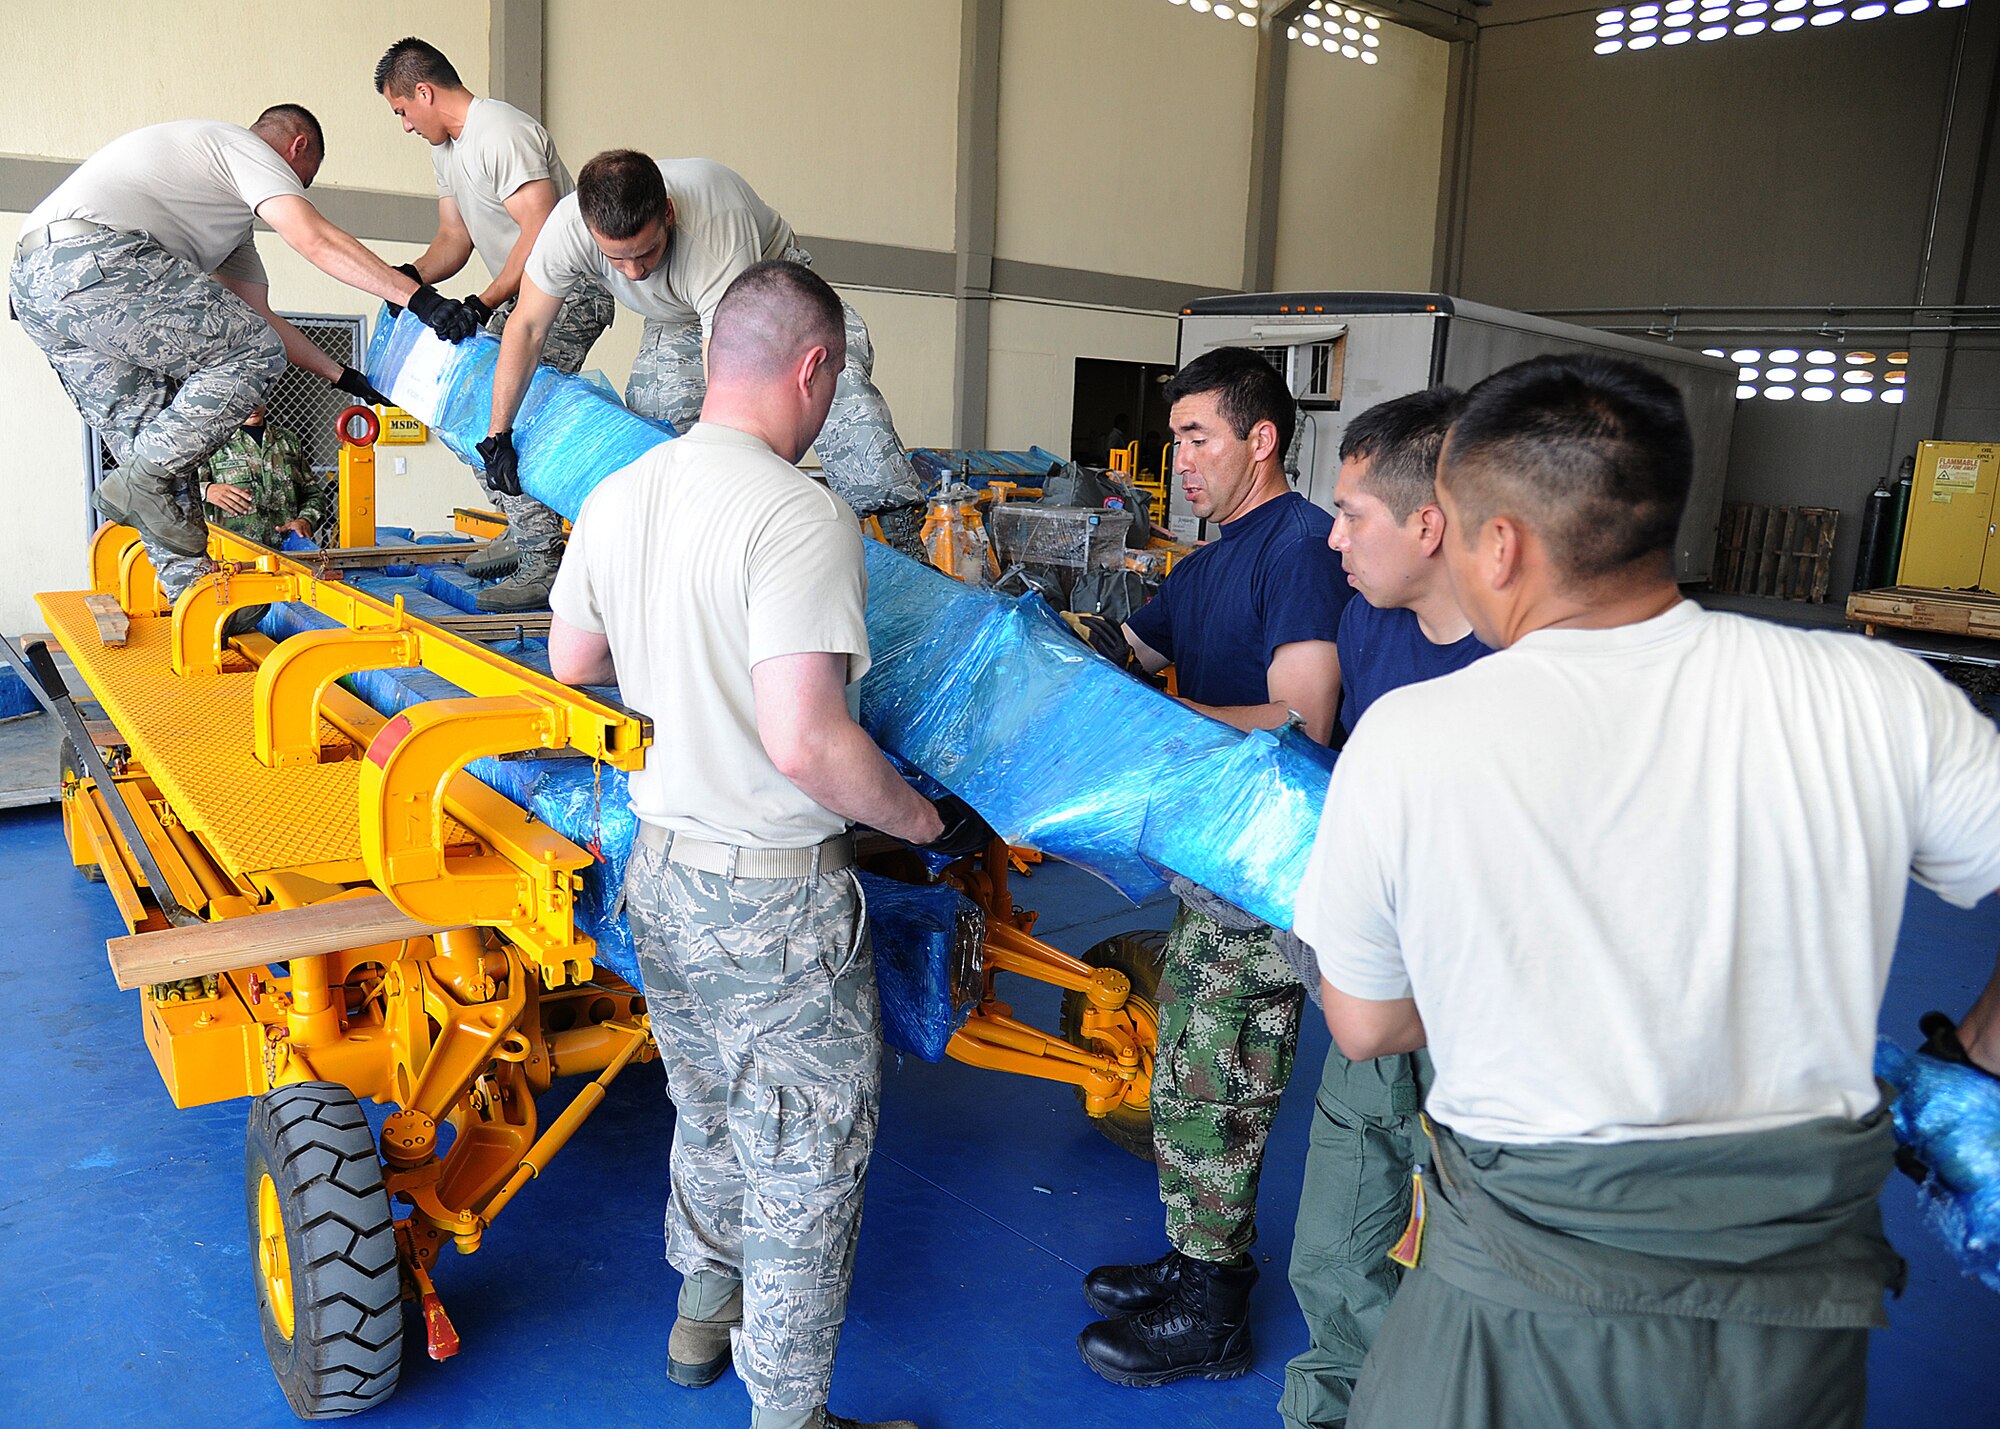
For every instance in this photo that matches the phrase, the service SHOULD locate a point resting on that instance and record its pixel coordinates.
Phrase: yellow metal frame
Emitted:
(467, 1026)
(464, 1028)
(1116, 1069)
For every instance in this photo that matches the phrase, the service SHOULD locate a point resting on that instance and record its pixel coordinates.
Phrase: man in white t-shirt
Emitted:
(139, 281)
(738, 627)
(498, 177)
(1635, 880)
(668, 237)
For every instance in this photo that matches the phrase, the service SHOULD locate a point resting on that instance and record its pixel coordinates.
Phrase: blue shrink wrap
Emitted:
(15, 696)
(570, 432)
(928, 940)
(1241, 823)
(1063, 752)
(1948, 1115)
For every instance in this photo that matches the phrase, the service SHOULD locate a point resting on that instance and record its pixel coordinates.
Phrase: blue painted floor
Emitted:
(125, 1278)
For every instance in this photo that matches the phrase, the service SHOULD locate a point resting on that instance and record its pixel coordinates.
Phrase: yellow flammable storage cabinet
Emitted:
(1951, 539)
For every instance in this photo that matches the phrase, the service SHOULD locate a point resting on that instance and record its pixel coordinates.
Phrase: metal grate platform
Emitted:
(193, 736)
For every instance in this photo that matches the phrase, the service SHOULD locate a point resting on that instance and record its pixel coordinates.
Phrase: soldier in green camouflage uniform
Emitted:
(1249, 622)
(265, 461)
(1229, 1025)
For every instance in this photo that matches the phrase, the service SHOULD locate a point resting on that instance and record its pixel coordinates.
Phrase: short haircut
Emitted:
(1251, 391)
(411, 62)
(291, 119)
(771, 316)
(619, 192)
(1591, 453)
(1400, 440)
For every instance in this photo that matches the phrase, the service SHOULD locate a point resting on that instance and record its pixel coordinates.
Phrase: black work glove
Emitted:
(356, 384)
(410, 271)
(502, 463)
(1101, 635)
(447, 317)
(480, 312)
(965, 833)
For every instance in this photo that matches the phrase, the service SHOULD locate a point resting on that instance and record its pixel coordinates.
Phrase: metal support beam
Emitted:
(976, 218)
(1267, 147)
(1455, 165)
(1963, 154)
(514, 38)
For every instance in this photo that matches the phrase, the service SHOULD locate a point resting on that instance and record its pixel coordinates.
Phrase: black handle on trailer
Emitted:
(38, 671)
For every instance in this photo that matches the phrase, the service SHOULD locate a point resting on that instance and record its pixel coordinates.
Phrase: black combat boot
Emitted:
(1117, 1290)
(1202, 1328)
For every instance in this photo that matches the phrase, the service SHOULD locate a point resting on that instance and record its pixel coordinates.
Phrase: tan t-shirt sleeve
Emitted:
(255, 171)
(563, 253)
(573, 596)
(507, 156)
(722, 248)
(808, 590)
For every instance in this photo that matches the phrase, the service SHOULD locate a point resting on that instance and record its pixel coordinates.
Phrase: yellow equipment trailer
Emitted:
(324, 907)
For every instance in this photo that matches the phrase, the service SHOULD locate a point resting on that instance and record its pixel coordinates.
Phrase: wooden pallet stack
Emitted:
(1781, 551)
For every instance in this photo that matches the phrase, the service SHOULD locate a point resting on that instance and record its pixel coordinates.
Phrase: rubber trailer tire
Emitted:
(1140, 956)
(345, 1348)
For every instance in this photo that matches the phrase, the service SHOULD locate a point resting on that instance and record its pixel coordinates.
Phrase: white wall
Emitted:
(842, 116)
(1125, 139)
(80, 77)
(1358, 184)
(1031, 384)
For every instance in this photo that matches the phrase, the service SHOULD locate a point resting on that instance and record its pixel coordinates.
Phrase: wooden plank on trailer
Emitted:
(114, 626)
(140, 960)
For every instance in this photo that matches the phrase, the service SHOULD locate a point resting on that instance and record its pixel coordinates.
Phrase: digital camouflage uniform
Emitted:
(1229, 1027)
(763, 1004)
(163, 360)
(281, 483)
(859, 451)
(584, 315)
(1366, 1137)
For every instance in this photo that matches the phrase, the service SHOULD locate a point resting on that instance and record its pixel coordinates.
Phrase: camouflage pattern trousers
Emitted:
(579, 322)
(763, 1003)
(858, 447)
(1229, 1027)
(163, 360)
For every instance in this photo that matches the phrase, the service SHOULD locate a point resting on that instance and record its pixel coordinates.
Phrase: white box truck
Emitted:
(1341, 353)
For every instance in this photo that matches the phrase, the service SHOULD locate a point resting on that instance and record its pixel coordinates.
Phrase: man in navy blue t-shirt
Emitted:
(1249, 622)
(1404, 627)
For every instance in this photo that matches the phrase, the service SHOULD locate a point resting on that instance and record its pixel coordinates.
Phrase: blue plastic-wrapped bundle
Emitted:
(1948, 1115)
(570, 432)
(1061, 751)
(997, 701)
(928, 940)
(581, 804)
(1243, 820)
(15, 696)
